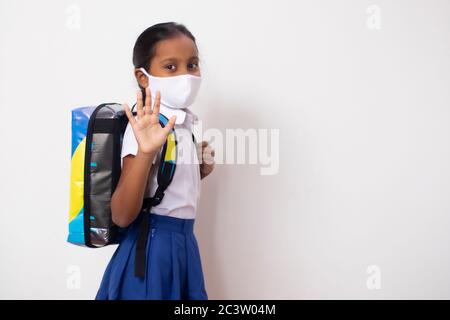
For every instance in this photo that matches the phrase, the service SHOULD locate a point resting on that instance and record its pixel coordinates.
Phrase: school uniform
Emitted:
(173, 264)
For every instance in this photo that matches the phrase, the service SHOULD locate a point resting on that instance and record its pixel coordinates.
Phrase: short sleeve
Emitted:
(129, 144)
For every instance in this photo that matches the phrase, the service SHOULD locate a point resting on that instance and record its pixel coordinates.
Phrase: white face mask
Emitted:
(177, 92)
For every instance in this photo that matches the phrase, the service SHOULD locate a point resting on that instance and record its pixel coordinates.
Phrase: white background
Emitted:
(363, 114)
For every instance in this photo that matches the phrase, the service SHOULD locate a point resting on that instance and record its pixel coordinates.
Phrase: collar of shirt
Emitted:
(181, 114)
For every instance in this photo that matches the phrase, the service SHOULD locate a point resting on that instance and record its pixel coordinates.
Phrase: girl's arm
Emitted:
(127, 198)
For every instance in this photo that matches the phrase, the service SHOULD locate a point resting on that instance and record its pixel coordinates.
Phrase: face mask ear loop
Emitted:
(148, 82)
(144, 72)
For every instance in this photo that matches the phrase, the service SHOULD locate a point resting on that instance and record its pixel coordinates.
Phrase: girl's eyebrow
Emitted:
(175, 59)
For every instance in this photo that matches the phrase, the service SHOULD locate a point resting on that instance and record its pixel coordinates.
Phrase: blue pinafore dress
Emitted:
(173, 264)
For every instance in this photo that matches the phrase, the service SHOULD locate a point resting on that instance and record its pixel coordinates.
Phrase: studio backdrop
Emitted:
(330, 121)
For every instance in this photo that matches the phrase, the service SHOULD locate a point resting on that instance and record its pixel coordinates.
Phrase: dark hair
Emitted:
(144, 48)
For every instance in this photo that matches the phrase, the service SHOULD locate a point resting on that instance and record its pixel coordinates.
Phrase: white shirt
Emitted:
(181, 196)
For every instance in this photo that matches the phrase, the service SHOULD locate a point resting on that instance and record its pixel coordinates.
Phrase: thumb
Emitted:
(170, 124)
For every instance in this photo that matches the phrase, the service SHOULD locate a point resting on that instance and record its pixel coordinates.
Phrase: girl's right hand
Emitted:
(147, 130)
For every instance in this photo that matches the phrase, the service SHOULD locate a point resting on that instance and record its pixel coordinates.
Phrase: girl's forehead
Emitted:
(180, 47)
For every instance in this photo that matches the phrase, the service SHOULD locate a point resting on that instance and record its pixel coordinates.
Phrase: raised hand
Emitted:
(147, 130)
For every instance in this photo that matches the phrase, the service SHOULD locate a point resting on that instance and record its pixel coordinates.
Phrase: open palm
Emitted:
(146, 127)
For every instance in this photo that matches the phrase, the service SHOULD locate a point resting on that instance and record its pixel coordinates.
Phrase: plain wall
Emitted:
(364, 142)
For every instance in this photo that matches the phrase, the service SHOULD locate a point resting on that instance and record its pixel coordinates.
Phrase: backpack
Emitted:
(97, 135)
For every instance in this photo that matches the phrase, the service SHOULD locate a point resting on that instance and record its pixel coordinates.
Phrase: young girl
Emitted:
(167, 70)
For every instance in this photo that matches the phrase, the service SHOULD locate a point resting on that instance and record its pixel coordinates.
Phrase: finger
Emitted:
(209, 153)
(155, 111)
(148, 101)
(157, 102)
(140, 112)
(208, 156)
(208, 160)
(207, 150)
(170, 124)
(129, 114)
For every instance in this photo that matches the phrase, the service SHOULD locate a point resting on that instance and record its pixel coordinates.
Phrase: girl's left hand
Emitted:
(207, 158)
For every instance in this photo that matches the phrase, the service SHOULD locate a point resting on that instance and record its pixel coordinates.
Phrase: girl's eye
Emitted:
(170, 65)
(193, 64)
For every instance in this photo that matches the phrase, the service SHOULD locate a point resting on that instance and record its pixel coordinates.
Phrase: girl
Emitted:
(167, 70)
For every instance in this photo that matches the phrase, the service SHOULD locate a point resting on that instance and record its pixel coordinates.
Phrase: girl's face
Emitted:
(175, 56)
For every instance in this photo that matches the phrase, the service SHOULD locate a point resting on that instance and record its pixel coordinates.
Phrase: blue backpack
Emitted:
(97, 135)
